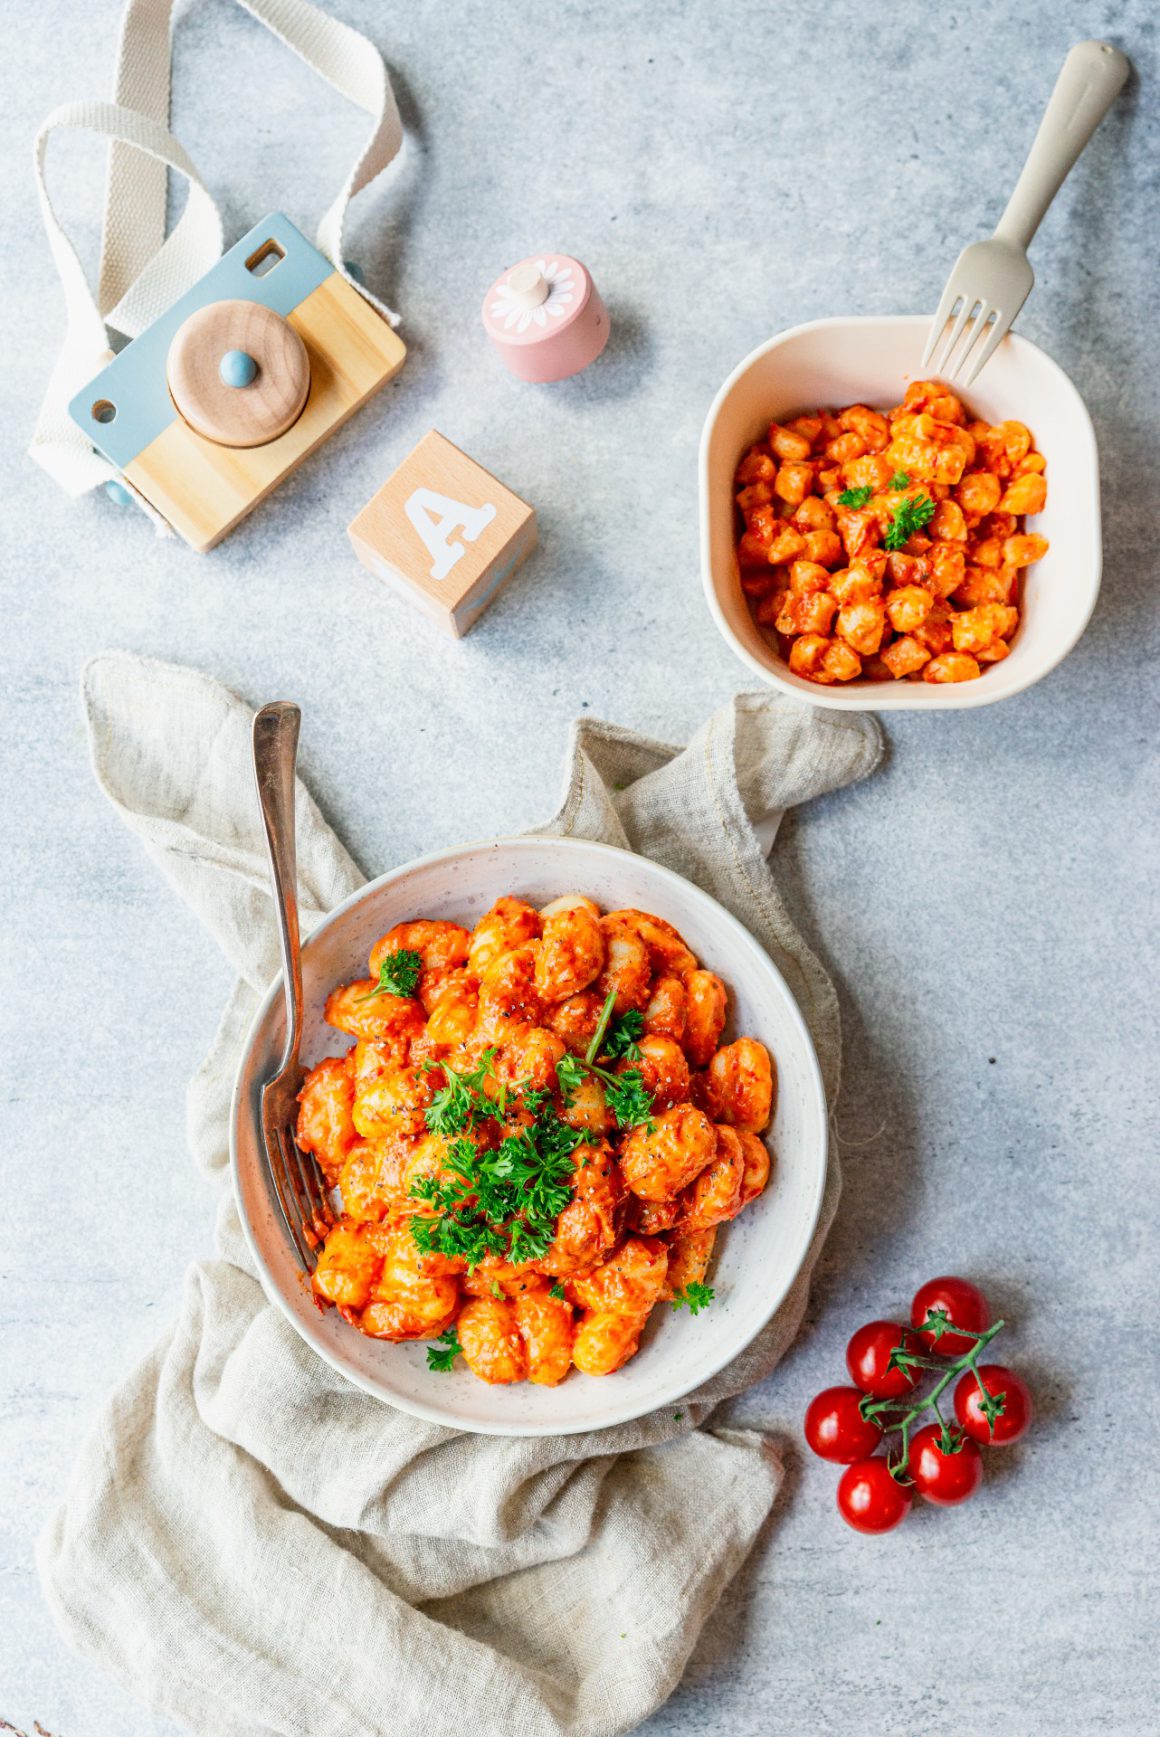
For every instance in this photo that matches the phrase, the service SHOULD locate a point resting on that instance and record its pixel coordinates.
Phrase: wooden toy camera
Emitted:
(214, 403)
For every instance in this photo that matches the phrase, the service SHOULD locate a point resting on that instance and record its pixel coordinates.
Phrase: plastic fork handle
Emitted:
(276, 729)
(1093, 75)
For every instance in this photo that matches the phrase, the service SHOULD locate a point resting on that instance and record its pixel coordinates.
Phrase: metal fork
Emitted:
(992, 279)
(298, 1183)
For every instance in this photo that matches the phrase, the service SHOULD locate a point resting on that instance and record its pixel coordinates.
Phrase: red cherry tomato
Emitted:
(964, 1305)
(836, 1429)
(944, 1478)
(869, 1499)
(1012, 1421)
(868, 1358)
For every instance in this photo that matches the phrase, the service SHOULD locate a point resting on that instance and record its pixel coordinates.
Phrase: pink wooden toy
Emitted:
(546, 318)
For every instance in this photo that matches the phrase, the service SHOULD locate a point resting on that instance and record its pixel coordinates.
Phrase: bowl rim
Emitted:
(877, 696)
(441, 1414)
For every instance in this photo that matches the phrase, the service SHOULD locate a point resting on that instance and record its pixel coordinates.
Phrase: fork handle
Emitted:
(1093, 75)
(275, 753)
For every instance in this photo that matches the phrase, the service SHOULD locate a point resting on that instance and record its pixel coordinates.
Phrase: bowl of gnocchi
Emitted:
(572, 1129)
(874, 540)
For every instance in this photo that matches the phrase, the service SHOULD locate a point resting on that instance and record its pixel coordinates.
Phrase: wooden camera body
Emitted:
(222, 396)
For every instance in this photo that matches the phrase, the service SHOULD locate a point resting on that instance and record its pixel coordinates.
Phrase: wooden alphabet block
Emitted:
(444, 534)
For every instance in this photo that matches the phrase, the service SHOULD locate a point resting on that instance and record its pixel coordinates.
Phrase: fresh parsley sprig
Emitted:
(899, 480)
(622, 1036)
(570, 1073)
(443, 1352)
(694, 1296)
(506, 1199)
(461, 1102)
(626, 1094)
(503, 1200)
(628, 1098)
(399, 974)
(854, 497)
(910, 515)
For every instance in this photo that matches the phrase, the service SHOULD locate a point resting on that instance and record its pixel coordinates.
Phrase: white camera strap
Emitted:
(142, 270)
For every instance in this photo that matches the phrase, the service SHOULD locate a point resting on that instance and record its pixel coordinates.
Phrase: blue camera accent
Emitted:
(237, 368)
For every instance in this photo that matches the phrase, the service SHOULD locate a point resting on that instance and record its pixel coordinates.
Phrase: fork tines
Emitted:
(301, 1191)
(969, 317)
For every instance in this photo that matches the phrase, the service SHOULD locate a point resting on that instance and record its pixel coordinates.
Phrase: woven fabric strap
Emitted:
(143, 271)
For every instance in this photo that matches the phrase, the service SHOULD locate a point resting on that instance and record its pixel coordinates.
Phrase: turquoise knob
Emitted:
(117, 492)
(237, 369)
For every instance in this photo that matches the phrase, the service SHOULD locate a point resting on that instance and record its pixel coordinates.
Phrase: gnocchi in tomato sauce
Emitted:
(889, 546)
(534, 1138)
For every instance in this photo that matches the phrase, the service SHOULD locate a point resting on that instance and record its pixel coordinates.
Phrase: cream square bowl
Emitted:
(757, 1257)
(871, 360)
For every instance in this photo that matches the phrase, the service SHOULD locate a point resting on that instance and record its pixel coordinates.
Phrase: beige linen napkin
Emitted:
(253, 1546)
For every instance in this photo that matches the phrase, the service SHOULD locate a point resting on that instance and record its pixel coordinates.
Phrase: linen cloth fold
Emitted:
(252, 1546)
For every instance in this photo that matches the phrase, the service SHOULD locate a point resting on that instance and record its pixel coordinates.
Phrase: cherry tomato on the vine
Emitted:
(836, 1429)
(868, 1359)
(1015, 1416)
(964, 1306)
(945, 1478)
(869, 1499)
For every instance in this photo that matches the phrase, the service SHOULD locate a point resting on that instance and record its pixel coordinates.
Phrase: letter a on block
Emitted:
(436, 516)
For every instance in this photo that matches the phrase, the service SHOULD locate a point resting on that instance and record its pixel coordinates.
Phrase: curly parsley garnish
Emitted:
(570, 1073)
(899, 480)
(501, 1201)
(399, 974)
(628, 1098)
(626, 1094)
(622, 1036)
(442, 1354)
(505, 1200)
(462, 1102)
(909, 516)
(854, 497)
(694, 1296)
(557, 1290)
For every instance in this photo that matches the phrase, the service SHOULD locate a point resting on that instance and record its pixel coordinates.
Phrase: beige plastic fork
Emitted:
(992, 279)
(298, 1184)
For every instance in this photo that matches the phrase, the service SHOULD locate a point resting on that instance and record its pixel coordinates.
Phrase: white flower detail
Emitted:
(516, 316)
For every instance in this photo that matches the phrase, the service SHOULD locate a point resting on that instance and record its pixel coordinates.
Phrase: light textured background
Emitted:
(726, 170)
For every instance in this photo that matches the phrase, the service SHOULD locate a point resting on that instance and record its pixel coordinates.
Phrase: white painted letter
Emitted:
(435, 516)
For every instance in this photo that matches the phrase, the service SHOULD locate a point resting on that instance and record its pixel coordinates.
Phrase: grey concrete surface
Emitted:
(726, 170)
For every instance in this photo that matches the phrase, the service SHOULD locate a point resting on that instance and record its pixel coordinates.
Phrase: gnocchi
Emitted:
(537, 1130)
(889, 547)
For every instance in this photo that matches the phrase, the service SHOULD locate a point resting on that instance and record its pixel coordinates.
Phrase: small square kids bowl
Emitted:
(871, 360)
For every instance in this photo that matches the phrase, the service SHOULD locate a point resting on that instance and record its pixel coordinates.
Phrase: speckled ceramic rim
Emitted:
(610, 1404)
(1041, 645)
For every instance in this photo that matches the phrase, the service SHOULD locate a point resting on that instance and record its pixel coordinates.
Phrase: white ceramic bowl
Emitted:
(758, 1256)
(871, 361)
